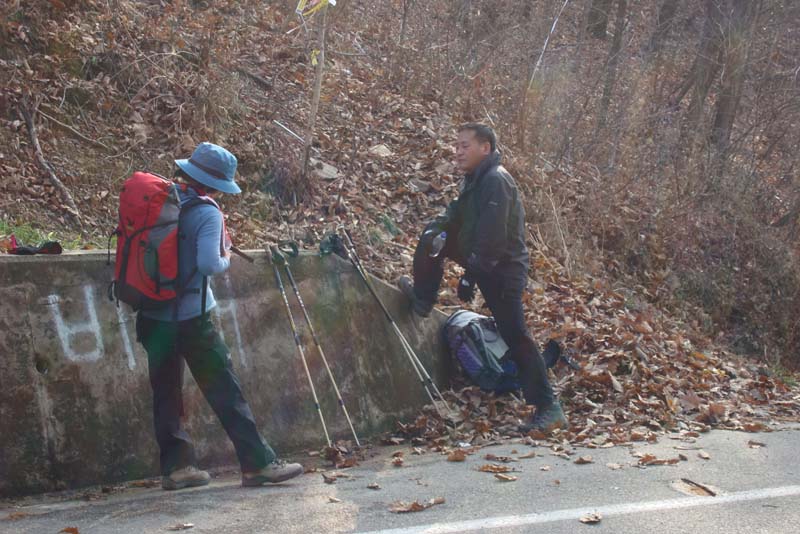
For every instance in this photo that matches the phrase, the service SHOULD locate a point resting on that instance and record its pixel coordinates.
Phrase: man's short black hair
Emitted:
(483, 133)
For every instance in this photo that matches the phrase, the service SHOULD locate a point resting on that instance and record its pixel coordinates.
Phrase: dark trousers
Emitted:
(502, 292)
(195, 341)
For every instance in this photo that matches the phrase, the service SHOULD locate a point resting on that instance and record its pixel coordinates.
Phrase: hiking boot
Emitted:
(185, 478)
(275, 472)
(420, 307)
(546, 420)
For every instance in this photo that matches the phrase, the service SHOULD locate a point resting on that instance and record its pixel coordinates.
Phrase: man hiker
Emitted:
(485, 233)
(173, 335)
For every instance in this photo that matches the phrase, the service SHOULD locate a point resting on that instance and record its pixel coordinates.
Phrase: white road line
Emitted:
(510, 521)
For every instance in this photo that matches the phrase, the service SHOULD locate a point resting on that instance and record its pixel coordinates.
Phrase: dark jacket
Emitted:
(488, 221)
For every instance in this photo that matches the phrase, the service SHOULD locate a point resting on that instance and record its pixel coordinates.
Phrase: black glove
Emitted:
(466, 289)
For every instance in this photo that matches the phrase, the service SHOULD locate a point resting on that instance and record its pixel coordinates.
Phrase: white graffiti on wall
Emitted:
(229, 307)
(67, 332)
(126, 340)
(90, 332)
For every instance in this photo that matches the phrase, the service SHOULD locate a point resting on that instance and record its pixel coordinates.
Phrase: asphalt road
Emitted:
(756, 490)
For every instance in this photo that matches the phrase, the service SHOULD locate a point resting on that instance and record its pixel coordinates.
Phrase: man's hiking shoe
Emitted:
(546, 419)
(420, 307)
(185, 478)
(277, 471)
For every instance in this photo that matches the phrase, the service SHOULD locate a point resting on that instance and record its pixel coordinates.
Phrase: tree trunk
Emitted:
(28, 112)
(611, 66)
(598, 18)
(407, 5)
(398, 57)
(735, 51)
(666, 18)
(523, 116)
(320, 71)
(706, 63)
(287, 9)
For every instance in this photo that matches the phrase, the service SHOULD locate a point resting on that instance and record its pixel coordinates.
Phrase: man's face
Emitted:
(470, 151)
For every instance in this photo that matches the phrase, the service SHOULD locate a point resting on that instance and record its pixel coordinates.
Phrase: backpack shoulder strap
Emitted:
(186, 206)
(198, 201)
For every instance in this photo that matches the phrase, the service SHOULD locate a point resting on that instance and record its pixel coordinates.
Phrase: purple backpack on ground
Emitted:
(474, 341)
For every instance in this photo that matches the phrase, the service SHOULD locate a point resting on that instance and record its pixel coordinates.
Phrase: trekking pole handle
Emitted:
(289, 248)
(239, 252)
(276, 256)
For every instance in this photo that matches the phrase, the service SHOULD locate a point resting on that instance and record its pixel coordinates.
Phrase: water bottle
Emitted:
(438, 244)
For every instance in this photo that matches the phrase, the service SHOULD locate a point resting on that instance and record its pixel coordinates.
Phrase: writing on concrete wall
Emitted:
(88, 330)
(124, 318)
(68, 331)
(228, 308)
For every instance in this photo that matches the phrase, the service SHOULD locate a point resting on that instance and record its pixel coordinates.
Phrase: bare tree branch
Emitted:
(28, 113)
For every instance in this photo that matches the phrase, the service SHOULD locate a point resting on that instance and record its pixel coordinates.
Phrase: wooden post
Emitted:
(312, 120)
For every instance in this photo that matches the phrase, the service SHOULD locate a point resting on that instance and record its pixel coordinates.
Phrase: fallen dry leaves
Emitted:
(331, 478)
(502, 459)
(181, 526)
(457, 455)
(494, 468)
(591, 519)
(651, 459)
(690, 487)
(401, 507)
(663, 390)
(342, 455)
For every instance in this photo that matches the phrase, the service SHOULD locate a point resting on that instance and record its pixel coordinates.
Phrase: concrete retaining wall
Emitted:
(75, 401)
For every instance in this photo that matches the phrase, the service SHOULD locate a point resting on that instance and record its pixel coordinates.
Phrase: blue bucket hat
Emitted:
(213, 166)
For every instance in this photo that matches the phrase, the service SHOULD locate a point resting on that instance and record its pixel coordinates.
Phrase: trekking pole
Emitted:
(402, 337)
(239, 252)
(356, 260)
(275, 258)
(337, 245)
(422, 373)
(319, 348)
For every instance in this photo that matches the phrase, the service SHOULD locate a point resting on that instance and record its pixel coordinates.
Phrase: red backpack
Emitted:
(146, 266)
